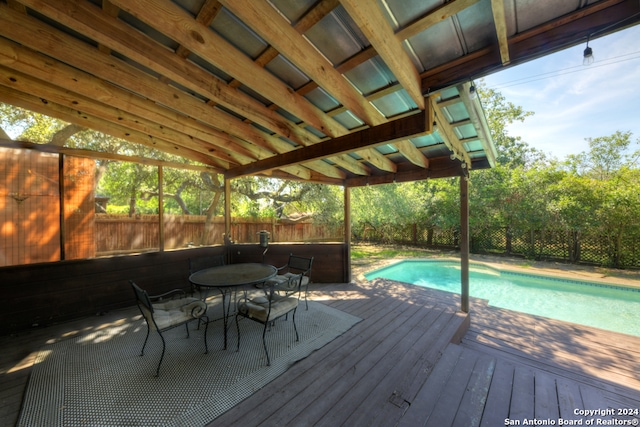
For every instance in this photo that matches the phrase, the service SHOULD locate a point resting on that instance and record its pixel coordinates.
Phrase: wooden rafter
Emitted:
(90, 154)
(446, 131)
(372, 22)
(272, 27)
(86, 20)
(171, 78)
(497, 7)
(437, 15)
(411, 153)
(180, 26)
(30, 102)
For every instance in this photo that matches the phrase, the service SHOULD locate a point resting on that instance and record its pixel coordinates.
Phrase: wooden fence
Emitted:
(121, 234)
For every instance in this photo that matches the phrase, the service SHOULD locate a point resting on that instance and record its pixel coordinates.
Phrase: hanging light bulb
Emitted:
(472, 92)
(588, 55)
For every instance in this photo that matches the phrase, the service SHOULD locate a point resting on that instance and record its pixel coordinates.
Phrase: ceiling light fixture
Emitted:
(588, 55)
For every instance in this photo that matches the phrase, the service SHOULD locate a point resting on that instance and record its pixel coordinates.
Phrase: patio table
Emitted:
(228, 278)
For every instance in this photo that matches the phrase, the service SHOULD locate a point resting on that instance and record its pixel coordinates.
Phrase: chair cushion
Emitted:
(172, 304)
(175, 312)
(282, 282)
(258, 308)
(169, 318)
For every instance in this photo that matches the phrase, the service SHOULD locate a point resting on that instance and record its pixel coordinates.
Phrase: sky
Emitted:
(571, 101)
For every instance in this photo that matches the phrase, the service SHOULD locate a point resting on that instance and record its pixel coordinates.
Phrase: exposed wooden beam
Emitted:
(111, 10)
(90, 154)
(315, 14)
(205, 16)
(326, 169)
(411, 153)
(47, 69)
(438, 168)
(306, 21)
(98, 65)
(389, 132)
(42, 106)
(91, 22)
(437, 15)
(352, 165)
(178, 25)
(499, 20)
(375, 26)
(377, 159)
(274, 28)
(136, 81)
(445, 129)
(120, 119)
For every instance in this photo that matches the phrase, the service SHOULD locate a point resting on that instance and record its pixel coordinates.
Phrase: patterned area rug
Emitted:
(100, 379)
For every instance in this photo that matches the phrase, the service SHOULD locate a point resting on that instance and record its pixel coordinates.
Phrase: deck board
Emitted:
(399, 362)
(496, 410)
(546, 396)
(471, 408)
(403, 365)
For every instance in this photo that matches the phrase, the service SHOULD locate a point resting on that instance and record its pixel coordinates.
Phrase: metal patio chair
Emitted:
(294, 277)
(168, 313)
(266, 309)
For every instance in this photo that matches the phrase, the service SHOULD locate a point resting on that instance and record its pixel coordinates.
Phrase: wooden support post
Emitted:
(347, 232)
(464, 244)
(61, 204)
(161, 208)
(227, 211)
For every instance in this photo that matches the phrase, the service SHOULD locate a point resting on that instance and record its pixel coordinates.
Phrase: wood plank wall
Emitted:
(41, 294)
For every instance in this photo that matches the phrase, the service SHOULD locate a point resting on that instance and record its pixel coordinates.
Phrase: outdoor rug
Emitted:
(100, 379)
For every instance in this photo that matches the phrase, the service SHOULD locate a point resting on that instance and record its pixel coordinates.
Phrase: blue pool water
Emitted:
(611, 307)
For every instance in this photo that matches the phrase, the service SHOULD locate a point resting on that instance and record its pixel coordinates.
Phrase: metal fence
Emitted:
(598, 247)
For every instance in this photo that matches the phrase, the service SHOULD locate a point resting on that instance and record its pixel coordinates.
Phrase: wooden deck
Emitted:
(413, 360)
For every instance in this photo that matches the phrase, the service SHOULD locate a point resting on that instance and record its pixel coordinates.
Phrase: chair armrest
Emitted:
(168, 295)
(195, 309)
(292, 284)
(283, 267)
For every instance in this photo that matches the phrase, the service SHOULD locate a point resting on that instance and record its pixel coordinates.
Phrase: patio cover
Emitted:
(340, 92)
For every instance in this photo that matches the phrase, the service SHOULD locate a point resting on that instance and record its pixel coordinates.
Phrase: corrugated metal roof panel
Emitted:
(370, 76)
(395, 103)
(287, 72)
(238, 34)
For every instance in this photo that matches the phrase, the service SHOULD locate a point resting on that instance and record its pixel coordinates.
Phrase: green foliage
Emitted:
(597, 190)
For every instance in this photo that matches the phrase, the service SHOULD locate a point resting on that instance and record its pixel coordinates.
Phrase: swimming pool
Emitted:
(615, 308)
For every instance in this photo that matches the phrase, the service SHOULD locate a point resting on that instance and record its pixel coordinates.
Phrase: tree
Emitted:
(512, 150)
(606, 156)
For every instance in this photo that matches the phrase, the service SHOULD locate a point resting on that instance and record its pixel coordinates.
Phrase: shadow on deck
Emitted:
(413, 360)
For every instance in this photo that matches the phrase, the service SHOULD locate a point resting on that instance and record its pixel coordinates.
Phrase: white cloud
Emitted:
(573, 102)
